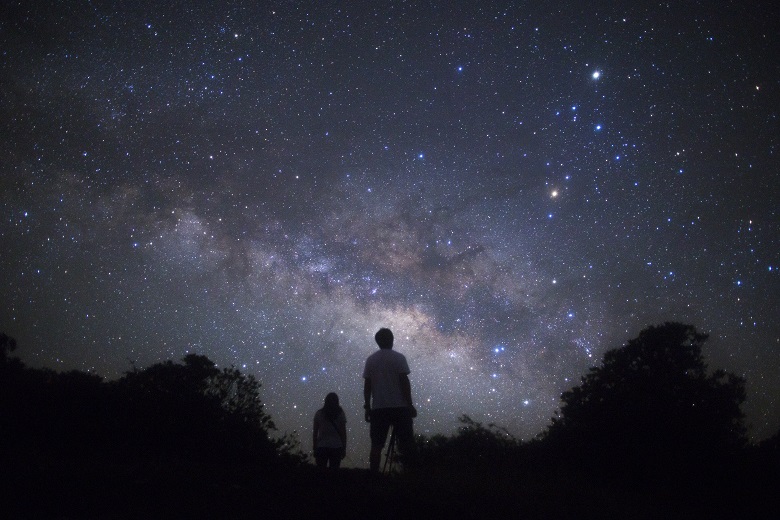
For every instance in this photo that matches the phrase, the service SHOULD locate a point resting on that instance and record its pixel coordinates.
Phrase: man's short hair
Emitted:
(384, 338)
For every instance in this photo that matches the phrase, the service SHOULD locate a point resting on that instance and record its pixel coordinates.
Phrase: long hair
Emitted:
(332, 409)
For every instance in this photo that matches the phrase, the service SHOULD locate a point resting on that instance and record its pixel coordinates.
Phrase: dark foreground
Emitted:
(170, 489)
(649, 434)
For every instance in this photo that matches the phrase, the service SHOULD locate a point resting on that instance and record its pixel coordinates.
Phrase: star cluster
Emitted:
(512, 188)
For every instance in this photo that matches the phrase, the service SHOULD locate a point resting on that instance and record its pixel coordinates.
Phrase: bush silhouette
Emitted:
(191, 411)
(195, 408)
(474, 447)
(652, 408)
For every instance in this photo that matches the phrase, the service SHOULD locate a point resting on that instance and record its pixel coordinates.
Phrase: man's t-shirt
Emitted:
(384, 368)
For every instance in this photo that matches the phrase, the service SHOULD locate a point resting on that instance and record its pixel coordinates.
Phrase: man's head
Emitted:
(384, 338)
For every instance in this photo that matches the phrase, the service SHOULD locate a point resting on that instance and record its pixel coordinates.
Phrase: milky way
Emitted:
(512, 188)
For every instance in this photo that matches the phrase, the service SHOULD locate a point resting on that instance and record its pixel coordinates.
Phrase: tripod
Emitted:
(390, 455)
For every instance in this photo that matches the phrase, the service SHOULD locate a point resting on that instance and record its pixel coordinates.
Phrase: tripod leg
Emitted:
(390, 454)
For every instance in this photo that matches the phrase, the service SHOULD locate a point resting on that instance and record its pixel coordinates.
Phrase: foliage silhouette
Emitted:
(474, 447)
(651, 409)
(6, 343)
(195, 407)
(191, 411)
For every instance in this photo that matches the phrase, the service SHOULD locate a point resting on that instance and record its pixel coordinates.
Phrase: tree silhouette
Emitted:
(651, 407)
(195, 408)
(190, 411)
(474, 448)
(7, 344)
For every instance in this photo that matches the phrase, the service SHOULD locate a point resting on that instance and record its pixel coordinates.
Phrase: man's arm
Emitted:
(406, 389)
(367, 398)
(406, 392)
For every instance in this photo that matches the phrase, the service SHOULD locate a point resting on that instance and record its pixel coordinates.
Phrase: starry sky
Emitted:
(512, 187)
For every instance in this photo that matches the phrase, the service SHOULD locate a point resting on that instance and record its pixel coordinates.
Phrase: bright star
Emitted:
(596, 75)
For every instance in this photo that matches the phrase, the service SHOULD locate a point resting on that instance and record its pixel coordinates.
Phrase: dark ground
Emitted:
(175, 489)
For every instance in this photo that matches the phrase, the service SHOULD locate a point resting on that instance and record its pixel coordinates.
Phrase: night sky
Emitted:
(513, 188)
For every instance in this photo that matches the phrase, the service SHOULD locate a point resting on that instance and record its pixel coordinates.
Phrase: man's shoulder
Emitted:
(386, 353)
(397, 355)
(372, 357)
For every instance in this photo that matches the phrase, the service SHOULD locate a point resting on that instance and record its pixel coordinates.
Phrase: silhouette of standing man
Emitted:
(388, 398)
